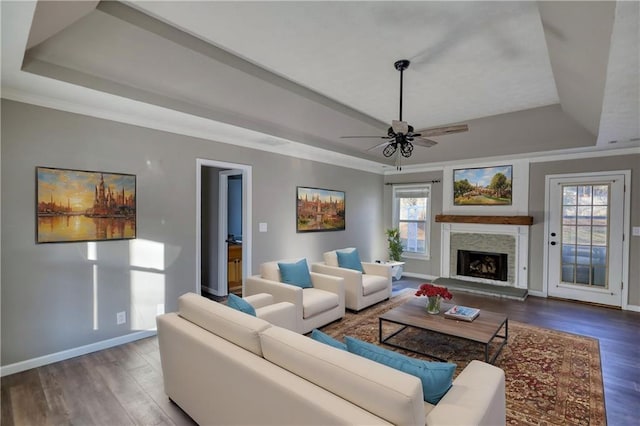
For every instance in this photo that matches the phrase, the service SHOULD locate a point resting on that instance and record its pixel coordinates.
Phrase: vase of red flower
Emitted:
(434, 295)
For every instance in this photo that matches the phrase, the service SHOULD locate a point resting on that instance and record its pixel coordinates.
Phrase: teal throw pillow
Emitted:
(240, 304)
(436, 377)
(296, 273)
(349, 259)
(327, 340)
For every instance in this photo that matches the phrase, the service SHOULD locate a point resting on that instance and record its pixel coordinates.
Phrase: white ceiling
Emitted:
(528, 77)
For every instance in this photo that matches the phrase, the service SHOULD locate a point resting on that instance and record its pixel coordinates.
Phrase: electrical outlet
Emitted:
(121, 317)
(636, 231)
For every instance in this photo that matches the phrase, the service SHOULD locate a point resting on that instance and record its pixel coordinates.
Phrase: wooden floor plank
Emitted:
(89, 399)
(135, 401)
(151, 381)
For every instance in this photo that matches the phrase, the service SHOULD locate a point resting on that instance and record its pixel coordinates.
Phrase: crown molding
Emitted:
(625, 148)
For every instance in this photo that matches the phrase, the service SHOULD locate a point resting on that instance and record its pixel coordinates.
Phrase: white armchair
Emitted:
(361, 290)
(315, 306)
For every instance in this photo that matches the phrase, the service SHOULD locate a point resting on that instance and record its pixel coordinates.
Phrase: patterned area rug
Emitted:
(552, 377)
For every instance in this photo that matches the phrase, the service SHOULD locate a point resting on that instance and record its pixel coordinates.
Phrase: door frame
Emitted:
(223, 228)
(626, 212)
(246, 171)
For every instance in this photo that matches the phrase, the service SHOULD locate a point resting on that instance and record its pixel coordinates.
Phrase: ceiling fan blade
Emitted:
(445, 130)
(380, 145)
(400, 126)
(374, 137)
(421, 141)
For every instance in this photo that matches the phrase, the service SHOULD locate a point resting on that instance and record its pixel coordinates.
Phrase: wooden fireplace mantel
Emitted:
(489, 220)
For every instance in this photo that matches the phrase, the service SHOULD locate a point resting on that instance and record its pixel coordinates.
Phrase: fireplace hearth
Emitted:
(480, 264)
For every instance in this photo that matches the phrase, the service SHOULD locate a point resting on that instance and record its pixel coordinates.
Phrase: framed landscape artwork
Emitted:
(76, 205)
(483, 186)
(319, 210)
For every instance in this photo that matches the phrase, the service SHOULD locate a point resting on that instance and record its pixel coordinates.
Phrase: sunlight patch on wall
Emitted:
(147, 294)
(146, 254)
(95, 297)
(92, 251)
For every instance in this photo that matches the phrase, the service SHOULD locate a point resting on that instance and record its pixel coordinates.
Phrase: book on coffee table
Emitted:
(462, 313)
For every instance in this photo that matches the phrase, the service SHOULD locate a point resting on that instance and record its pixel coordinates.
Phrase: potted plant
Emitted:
(395, 245)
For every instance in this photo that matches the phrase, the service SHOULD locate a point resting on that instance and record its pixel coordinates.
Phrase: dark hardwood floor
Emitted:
(123, 385)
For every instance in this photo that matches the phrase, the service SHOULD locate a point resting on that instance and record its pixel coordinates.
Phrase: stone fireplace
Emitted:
(488, 253)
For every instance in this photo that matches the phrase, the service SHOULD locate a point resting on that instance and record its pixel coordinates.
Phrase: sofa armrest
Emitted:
(328, 283)
(351, 277)
(259, 300)
(281, 292)
(477, 397)
(282, 314)
(377, 269)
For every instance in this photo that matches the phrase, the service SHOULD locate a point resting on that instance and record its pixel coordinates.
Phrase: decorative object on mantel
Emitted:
(395, 245)
(483, 186)
(485, 219)
(434, 294)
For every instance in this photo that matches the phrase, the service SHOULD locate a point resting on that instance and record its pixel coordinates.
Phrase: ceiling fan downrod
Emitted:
(401, 65)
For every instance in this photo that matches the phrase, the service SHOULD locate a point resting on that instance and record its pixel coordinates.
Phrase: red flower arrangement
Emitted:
(431, 290)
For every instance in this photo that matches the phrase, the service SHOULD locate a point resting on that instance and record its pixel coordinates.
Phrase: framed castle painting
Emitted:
(319, 210)
(78, 205)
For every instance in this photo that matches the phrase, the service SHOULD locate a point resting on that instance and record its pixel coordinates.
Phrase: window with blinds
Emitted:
(412, 215)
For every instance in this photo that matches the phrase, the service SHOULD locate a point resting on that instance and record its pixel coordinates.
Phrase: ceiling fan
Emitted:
(400, 136)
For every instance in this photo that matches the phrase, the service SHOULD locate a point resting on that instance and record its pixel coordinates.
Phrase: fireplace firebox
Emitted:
(480, 264)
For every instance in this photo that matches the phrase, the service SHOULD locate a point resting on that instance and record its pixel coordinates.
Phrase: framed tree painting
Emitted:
(319, 210)
(483, 186)
(77, 205)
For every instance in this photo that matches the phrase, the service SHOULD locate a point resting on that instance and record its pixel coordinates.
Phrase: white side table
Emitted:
(396, 268)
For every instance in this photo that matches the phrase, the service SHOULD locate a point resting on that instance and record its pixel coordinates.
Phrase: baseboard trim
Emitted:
(536, 293)
(421, 276)
(17, 367)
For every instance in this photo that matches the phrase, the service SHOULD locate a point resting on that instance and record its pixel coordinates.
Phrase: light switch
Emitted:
(262, 227)
(635, 231)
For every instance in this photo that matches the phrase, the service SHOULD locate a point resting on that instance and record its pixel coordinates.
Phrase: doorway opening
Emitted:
(223, 231)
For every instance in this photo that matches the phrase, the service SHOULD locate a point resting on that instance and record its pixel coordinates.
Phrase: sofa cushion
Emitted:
(240, 304)
(223, 321)
(316, 301)
(383, 391)
(296, 273)
(436, 377)
(327, 340)
(373, 284)
(350, 259)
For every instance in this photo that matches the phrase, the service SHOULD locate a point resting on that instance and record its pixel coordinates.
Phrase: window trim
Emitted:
(396, 218)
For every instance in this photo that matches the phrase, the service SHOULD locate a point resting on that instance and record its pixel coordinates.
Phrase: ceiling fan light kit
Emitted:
(400, 137)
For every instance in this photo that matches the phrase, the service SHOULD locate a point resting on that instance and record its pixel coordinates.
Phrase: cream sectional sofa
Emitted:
(225, 367)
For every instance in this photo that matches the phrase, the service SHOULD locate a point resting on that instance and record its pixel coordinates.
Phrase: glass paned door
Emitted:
(585, 240)
(585, 226)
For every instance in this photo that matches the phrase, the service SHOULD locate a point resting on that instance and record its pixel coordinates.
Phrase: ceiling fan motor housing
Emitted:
(402, 64)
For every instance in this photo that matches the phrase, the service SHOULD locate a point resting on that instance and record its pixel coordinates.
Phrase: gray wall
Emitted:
(47, 289)
(537, 173)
